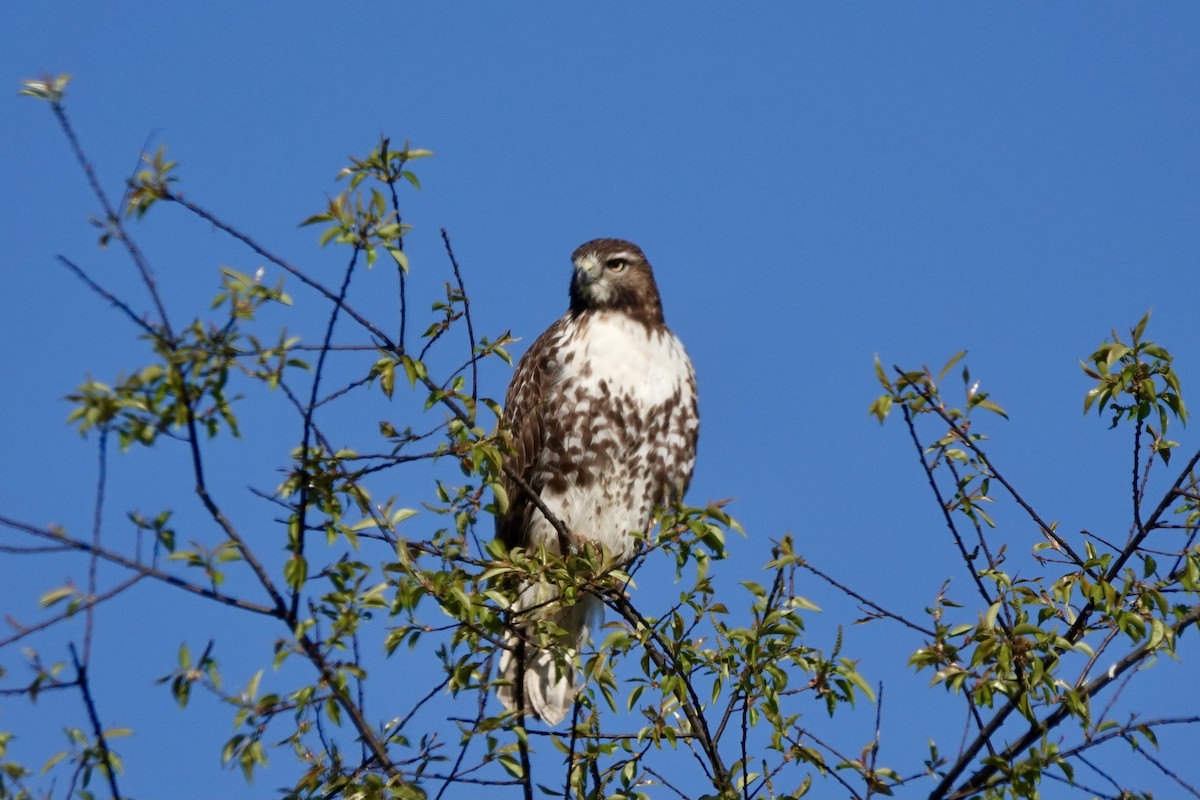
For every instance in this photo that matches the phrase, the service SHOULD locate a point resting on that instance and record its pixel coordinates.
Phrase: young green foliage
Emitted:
(1136, 381)
(1035, 647)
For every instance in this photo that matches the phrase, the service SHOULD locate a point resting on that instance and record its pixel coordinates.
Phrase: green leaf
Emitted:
(46, 88)
(880, 407)
(295, 571)
(54, 759)
(512, 766)
(55, 595)
(399, 256)
(501, 495)
(881, 375)
(990, 406)
(413, 369)
(954, 359)
(1140, 328)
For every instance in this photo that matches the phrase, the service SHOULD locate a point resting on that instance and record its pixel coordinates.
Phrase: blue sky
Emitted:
(814, 183)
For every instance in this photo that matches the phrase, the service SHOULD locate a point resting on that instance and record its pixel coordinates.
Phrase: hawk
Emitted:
(603, 415)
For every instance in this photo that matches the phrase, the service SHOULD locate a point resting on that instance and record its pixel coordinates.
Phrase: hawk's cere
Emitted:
(602, 410)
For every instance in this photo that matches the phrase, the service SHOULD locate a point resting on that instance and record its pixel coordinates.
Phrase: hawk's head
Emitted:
(612, 274)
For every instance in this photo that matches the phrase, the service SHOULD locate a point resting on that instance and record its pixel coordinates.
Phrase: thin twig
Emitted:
(113, 217)
(573, 742)
(383, 339)
(1125, 731)
(84, 605)
(462, 290)
(690, 703)
(142, 569)
(965, 438)
(1080, 786)
(943, 505)
(1187, 787)
(1138, 530)
(107, 295)
(878, 609)
(1099, 771)
(302, 505)
(522, 735)
(661, 779)
(106, 758)
(94, 560)
(871, 760)
(391, 184)
(343, 699)
(466, 740)
(833, 773)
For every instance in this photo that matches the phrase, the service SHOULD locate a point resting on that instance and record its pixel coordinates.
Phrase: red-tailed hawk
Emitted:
(602, 410)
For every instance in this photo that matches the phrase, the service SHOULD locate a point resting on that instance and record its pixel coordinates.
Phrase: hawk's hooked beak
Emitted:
(588, 270)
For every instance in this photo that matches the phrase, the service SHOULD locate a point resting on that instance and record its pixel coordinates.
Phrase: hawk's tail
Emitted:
(545, 680)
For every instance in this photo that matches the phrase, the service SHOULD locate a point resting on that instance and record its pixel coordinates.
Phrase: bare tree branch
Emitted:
(142, 569)
(106, 765)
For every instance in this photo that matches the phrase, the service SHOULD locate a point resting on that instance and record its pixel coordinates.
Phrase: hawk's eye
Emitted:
(616, 264)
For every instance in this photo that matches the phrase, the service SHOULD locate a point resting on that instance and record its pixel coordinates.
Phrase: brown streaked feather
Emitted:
(524, 414)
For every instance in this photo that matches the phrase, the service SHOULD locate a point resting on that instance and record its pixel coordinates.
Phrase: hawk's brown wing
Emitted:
(524, 416)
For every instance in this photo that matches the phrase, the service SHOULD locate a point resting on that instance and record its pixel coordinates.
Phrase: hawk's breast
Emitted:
(621, 426)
